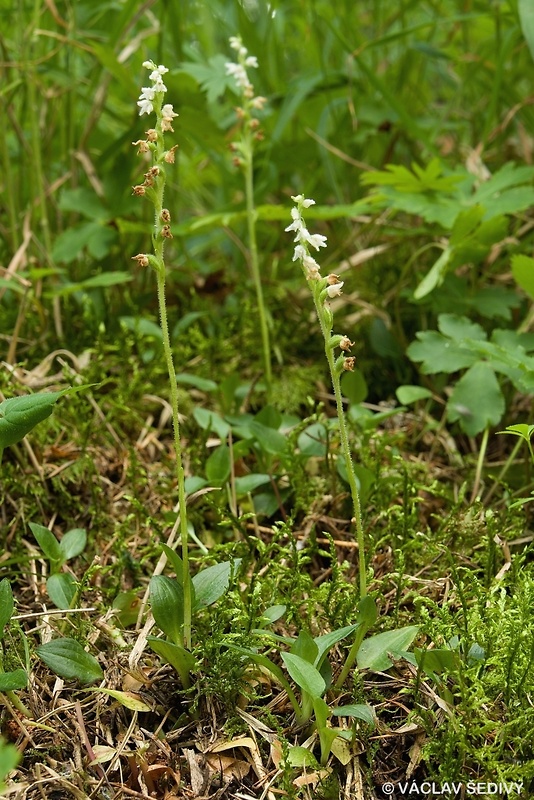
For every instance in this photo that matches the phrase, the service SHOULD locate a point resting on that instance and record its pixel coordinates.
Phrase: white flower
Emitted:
(251, 61)
(335, 289)
(238, 72)
(157, 83)
(310, 263)
(300, 200)
(315, 239)
(312, 268)
(167, 116)
(297, 223)
(300, 253)
(145, 100)
(168, 111)
(258, 102)
(304, 240)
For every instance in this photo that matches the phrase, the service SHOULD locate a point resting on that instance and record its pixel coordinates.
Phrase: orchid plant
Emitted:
(173, 600)
(244, 158)
(324, 289)
(153, 187)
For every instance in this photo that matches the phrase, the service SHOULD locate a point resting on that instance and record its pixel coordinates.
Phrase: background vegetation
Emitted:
(410, 124)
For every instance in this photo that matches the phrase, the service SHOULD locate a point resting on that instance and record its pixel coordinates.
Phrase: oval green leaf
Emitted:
(61, 589)
(374, 652)
(6, 604)
(73, 543)
(11, 681)
(68, 659)
(18, 415)
(48, 543)
(212, 582)
(167, 601)
(304, 674)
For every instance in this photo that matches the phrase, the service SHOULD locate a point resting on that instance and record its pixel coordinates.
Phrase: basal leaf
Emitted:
(305, 647)
(211, 583)
(175, 561)
(301, 757)
(305, 675)
(61, 589)
(270, 440)
(219, 465)
(167, 602)
(73, 543)
(437, 660)
(412, 394)
(328, 640)
(68, 659)
(18, 415)
(48, 544)
(247, 483)
(12, 681)
(204, 384)
(211, 421)
(177, 656)
(6, 604)
(374, 651)
(358, 710)
(312, 440)
(127, 699)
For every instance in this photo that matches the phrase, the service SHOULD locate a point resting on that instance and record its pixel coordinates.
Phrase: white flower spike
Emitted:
(148, 93)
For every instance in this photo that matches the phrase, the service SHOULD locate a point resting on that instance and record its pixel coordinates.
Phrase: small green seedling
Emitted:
(167, 602)
(308, 667)
(62, 587)
(524, 432)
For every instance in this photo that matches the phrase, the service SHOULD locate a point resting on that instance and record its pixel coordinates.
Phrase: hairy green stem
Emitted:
(186, 581)
(155, 191)
(345, 445)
